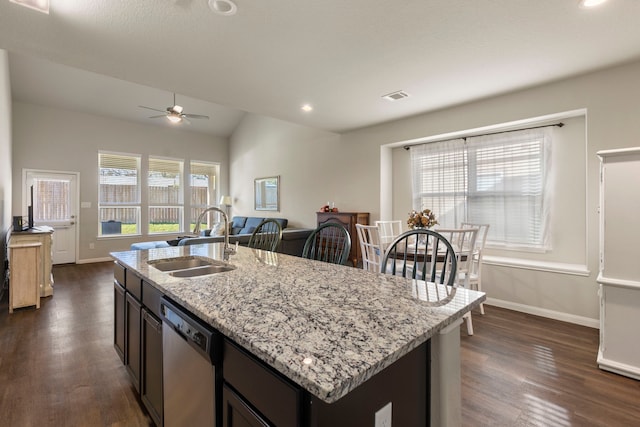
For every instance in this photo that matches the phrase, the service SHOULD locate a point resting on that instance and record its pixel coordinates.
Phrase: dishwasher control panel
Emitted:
(190, 329)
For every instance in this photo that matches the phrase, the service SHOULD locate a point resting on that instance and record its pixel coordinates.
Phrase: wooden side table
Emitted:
(349, 221)
(24, 275)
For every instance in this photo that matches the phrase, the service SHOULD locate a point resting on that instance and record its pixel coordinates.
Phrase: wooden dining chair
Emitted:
(389, 230)
(369, 240)
(330, 242)
(423, 255)
(266, 236)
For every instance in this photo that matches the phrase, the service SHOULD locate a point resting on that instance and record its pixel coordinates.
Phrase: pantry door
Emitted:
(55, 203)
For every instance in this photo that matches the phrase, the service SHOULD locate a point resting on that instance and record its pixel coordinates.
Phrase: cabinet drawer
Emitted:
(134, 284)
(119, 274)
(151, 298)
(271, 395)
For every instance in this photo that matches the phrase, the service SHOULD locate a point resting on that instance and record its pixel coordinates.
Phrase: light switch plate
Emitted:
(85, 205)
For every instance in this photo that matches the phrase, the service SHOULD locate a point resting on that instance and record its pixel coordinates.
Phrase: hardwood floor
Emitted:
(524, 370)
(58, 366)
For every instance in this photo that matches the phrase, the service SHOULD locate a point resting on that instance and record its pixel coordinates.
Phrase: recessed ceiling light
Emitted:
(306, 108)
(590, 3)
(39, 5)
(223, 7)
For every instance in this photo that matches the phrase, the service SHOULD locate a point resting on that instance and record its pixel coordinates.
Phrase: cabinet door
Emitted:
(118, 319)
(151, 378)
(237, 413)
(132, 349)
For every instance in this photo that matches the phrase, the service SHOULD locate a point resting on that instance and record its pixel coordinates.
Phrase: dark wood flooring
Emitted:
(58, 366)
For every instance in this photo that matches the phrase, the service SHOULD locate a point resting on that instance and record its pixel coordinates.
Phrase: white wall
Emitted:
(611, 99)
(54, 139)
(5, 156)
(306, 159)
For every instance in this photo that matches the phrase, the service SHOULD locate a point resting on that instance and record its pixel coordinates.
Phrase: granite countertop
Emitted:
(326, 327)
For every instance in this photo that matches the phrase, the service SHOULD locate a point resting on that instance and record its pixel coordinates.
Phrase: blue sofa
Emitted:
(241, 228)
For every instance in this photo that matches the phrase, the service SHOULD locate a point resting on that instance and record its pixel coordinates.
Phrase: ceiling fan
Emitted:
(175, 113)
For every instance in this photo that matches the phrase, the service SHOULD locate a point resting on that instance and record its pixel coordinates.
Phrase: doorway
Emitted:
(55, 204)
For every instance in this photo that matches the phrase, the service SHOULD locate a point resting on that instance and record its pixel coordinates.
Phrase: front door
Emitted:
(55, 201)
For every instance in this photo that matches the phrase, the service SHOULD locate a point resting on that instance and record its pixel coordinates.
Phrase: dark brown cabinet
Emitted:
(349, 221)
(118, 319)
(237, 413)
(258, 390)
(138, 337)
(133, 313)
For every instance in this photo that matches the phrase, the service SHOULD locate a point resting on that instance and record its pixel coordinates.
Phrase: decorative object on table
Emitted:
(267, 193)
(421, 219)
(329, 207)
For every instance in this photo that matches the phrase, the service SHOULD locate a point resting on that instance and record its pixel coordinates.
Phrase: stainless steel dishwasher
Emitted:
(190, 350)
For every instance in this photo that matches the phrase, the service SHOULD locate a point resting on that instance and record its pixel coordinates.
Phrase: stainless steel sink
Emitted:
(201, 271)
(191, 266)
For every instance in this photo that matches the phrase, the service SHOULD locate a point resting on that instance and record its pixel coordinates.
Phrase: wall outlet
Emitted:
(92, 245)
(383, 416)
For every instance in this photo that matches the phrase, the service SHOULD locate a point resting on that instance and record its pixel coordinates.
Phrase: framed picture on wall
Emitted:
(267, 193)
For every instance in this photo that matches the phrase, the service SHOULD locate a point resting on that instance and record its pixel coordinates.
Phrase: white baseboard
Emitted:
(92, 260)
(543, 312)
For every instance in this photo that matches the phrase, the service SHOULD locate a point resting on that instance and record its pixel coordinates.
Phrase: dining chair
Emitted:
(389, 230)
(369, 239)
(423, 255)
(266, 236)
(330, 242)
(475, 272)
(463, 241)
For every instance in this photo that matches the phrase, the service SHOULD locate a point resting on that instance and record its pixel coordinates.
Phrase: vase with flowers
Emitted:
(422, 219)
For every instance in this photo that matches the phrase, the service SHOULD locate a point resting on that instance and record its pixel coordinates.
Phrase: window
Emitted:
(203, 191)
(118, 194)
(498, 179)
(166, 196)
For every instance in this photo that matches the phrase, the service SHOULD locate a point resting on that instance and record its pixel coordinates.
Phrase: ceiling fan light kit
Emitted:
(175, 114)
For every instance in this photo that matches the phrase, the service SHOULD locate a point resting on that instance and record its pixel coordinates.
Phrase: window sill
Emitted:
(527, 264)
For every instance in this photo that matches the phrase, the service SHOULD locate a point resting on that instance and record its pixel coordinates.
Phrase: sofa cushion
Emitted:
(237, 224)
(251, 224)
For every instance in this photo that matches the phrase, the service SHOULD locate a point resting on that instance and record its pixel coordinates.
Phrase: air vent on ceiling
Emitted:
(394, 96)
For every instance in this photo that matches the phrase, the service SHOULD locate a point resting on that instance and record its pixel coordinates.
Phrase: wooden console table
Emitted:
(349, 221)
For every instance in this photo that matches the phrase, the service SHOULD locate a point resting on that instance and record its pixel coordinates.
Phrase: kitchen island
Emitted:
(340, 335)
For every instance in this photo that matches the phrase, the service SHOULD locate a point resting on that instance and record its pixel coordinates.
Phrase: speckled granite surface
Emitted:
(326, 327)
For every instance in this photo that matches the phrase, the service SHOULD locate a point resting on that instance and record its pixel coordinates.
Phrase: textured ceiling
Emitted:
(273, 56)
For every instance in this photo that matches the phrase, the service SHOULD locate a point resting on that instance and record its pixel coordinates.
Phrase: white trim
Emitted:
(92, 260)
(621, 283)
(548, 266)
(543, 312)
(618, 152)
(617, 367)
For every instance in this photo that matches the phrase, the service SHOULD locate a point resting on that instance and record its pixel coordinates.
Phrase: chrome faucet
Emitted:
(228, 250)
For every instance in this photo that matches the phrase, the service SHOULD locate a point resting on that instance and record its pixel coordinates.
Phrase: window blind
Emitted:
(500, 179)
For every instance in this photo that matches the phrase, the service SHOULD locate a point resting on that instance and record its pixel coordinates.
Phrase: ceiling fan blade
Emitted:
(185, 120)
(149, 108)
(196, 116)
(157, 117)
